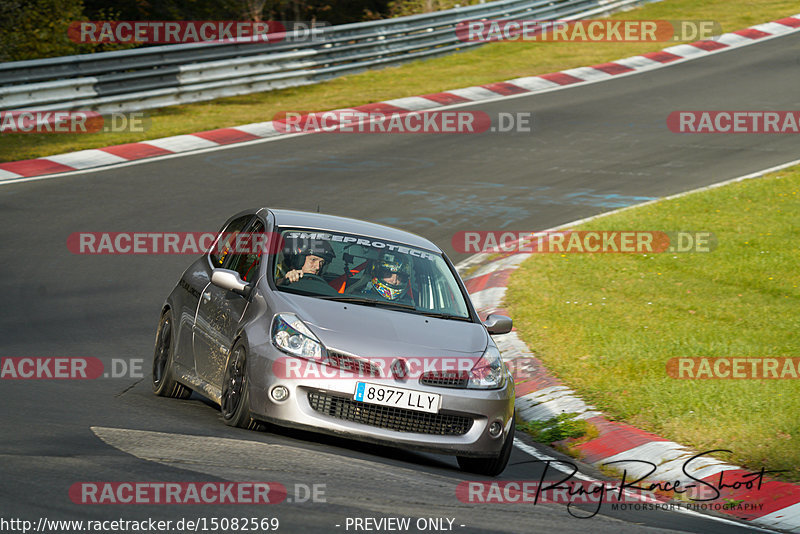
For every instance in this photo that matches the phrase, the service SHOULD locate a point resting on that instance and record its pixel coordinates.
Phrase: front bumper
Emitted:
(327, 405)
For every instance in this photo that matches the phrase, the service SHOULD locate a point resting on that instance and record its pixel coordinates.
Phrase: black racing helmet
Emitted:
(296, 249)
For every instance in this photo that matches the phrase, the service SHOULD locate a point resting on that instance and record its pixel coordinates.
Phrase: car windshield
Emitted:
(367, 271)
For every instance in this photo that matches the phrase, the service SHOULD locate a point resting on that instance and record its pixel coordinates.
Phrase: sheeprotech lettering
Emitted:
(348, 239)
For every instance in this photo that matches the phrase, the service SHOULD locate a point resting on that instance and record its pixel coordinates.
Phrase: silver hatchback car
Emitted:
(339, 326)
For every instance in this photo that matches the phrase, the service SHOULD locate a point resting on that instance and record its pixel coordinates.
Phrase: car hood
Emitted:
(378, 332)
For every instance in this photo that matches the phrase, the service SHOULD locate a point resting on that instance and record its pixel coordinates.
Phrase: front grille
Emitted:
(388, 417)
(445, 379)
(352, 363)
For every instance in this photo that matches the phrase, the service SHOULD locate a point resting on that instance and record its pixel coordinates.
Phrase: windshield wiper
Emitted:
(371, 302)
(444, 316)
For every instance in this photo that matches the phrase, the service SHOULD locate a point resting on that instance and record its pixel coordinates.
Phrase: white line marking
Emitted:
(733, 39)
(686, 51)
(524, 447)
(181, 143)
(8, 175)
(639, 63)
(412, 103)
(261, 129)
(787, 518)
(86, 158)
(588, 73)
(475, 94)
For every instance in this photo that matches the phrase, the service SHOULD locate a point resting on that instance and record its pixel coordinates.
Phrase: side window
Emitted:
(227, 240)
(246, 262)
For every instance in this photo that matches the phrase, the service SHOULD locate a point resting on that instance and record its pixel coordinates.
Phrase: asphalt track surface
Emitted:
(593, 148)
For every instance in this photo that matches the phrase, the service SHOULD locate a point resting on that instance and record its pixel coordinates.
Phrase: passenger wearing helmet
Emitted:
(389, 279)
(306, 261)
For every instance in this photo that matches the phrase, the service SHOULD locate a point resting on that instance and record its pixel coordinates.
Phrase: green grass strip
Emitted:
(606, 324)
(486, 64)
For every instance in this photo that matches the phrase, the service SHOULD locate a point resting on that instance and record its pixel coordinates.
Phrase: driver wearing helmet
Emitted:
(306, 261)
(389, 279)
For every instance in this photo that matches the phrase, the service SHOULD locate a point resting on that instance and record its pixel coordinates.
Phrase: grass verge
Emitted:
(564, 431)
(560, 427)
(487, 64)
(607, 324)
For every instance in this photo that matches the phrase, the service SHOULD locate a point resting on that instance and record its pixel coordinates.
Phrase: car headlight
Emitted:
(489, 372)
(293, 337)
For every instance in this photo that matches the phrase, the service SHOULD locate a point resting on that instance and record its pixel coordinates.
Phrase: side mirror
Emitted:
(498, 324)
(227, 279)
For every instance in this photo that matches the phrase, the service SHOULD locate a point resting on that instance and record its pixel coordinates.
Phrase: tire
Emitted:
(494, 465)
(235, 401)
(164, 383)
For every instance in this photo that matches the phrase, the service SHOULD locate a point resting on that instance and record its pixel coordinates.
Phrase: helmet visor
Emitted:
(384, 273)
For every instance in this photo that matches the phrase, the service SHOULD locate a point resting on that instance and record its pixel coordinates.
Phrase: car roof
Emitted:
(319, 221)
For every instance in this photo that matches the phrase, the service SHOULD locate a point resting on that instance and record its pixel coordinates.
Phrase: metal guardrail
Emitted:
(151, 77)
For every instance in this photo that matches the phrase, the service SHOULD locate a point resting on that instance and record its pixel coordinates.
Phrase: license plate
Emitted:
(398, 397)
